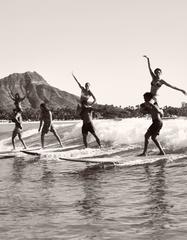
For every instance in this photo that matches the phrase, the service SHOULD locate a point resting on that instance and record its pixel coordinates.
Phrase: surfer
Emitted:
(85, 93)
(17, 119)
(46, 124)
(153, 131)
(17, 100)
(157, 82)
(86, 115)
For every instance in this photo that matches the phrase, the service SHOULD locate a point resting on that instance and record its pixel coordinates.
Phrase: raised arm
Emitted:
(77, 81)
(149, 66)
(173, 87)
(11, 95)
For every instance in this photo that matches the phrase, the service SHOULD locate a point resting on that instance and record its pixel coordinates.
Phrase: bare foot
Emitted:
(161, 153)
(142, 154)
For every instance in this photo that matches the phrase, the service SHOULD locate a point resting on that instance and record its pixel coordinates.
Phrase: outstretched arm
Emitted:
(173, 87)
(149, 66)
(77, 81)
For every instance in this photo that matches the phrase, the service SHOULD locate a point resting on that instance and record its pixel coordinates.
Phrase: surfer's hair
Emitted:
(17, 95)
(43, 106)
(87, 84)
(148, 96)
(157, 70)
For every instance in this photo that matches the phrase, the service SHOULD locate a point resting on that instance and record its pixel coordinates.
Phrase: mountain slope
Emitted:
(36, 90)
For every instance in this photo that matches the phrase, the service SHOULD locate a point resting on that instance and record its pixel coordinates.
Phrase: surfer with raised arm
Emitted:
(153, 131)
(85, 93)
(46, 124)
(17, 100)
(157, 82)
(17, 119)
(86, 115)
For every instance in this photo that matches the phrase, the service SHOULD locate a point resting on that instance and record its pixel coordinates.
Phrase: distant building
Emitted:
(184, 104)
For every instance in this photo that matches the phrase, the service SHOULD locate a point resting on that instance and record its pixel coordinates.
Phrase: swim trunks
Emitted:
(45, 129)
(88, 127)
(16, 131)
(155, 128)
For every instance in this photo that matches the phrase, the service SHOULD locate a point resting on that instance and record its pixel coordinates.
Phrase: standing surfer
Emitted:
(46, 124)
(17, 119)
(86, 115)
(156, 115)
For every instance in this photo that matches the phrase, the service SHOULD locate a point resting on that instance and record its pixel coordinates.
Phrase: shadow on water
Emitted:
(90, 206)
(47, 178)
(19, 164)
(31, 185)
(158, 208)
(18, 167)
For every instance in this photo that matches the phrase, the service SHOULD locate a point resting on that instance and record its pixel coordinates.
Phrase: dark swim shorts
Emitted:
(46, 129)
(88, 127)
(155, 128)
(17, 131)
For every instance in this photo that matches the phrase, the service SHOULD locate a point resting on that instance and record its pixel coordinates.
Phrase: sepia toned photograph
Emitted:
(93, 120)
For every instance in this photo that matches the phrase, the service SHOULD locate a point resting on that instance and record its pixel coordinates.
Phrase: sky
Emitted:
(101, 42)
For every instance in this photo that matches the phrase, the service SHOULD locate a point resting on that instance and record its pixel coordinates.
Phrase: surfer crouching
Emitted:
(153, 131)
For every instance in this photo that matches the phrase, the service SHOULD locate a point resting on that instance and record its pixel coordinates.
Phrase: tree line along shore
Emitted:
(99, 112)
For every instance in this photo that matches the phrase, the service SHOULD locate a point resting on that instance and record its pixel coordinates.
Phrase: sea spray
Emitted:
(174, 134)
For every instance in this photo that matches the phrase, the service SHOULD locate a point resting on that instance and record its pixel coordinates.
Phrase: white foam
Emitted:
(131, 131)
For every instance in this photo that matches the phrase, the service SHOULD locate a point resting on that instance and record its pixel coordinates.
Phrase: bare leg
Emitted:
(57, 137)
(20, 138)
(158, 145)
(97, 139)
(13, 137)
(146, 141)
(85, 139)
(42, 139)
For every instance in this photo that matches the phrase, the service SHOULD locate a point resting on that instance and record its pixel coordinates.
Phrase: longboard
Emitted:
(48, 151)
(13, 153)
(93, 160)
(128, 160)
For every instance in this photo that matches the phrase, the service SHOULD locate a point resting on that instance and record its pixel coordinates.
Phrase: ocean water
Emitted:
(47, 198)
